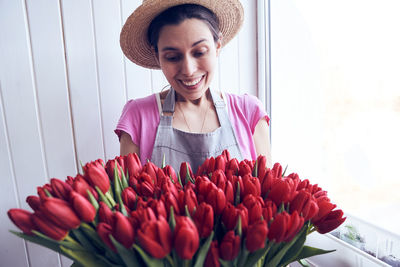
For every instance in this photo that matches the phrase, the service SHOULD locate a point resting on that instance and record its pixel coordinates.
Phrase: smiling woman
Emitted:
(190, 121)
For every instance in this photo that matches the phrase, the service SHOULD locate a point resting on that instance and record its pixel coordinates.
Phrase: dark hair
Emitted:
(177, 14)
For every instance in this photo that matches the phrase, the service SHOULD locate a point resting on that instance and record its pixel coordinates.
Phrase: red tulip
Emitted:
(22, 219)
(185, 172)
(156, 238)
(233, 165)
(128, 196)
(170, 172)
(110, 168)
(324, 208)
(133, 164)
(186, 237)
(204, 219)
(256, 236)
(105, 214)
(269, 210)
(226, 155)
(230, 216)
(220, 163)
(229, 246)
(244, 217)
(158, 207)
(216, 198)
(83, 208)
(330, 222)
(151, 169)
(47, 227)
(245, 167)
(60, 213)
(251, 185)
(143, 215)
(123, 231)
(97, 175)
(34, 202)
(187, 198)
(205, 168)
(170, 200)
(82, 187)
(145, 186)
(219, 179)
(282, 191)
(261, 166)
(254, 205)
(285, 226)
(304, 204)
(212, 255)
(60, 189)
(104, 231)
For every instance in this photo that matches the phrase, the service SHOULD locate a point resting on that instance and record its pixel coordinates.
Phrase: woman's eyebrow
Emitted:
(170, 48)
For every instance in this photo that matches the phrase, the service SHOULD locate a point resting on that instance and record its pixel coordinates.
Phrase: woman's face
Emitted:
(187, 55)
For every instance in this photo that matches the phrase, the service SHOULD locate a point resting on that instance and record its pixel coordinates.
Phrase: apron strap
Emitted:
(169, 102)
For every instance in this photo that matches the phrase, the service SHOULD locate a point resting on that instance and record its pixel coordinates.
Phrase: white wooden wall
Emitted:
(63, 83)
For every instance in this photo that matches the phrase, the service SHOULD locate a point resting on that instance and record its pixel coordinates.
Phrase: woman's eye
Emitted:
(199, 53)
(172, 58)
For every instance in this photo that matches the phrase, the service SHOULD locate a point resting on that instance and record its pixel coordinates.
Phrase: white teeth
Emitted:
(191, 83)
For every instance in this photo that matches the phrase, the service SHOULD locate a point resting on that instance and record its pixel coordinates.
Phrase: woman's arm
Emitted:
(262, 141)
(127, 146)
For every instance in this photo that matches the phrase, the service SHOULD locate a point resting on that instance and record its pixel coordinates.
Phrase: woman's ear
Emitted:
(218, 44)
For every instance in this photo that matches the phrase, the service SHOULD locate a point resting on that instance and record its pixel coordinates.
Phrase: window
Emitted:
(335, 101)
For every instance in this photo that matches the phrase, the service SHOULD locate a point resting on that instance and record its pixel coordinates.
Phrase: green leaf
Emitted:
(127, 255)
(50, 244)
(84, 258)
(163, 161)
(255, 169)
(284, 171)
(225, 263)
(78, 233)
(308, 251)
(124, 179)
(237, 197)
(294, 250)
(202, 254)
(103, 197)
(172, 222)
(303, 263)
(93, 200)
(70, 243)
(282, 252)
(254, 257)
(150, 261)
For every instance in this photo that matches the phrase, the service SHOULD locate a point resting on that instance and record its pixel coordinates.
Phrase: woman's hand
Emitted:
(127, 146)
(262, 140)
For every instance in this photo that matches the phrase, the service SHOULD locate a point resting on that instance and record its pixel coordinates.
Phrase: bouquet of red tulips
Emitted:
(228, 213)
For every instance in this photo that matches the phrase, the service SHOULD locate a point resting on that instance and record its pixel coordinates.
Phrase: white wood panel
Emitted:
(248, 50)
(229, 67)
(138, 79)
(52, 91)
(83, 79)
(21, 118)
(110, 64)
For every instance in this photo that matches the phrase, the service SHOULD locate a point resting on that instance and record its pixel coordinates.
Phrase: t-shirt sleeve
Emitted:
(129, 122)
(254, 111)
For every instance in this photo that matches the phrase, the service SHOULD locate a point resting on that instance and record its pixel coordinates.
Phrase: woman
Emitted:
(189, 122)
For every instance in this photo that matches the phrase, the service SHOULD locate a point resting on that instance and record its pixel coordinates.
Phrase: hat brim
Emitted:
(133, 38)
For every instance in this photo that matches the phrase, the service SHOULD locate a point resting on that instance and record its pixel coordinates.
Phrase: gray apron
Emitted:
(178, 146)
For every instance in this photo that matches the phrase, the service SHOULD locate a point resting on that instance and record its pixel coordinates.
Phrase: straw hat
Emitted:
(133, 39)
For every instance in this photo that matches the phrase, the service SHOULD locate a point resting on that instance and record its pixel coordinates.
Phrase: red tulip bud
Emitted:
(82, 187)
(187, 198)
(122, 230)
(220, 163)
(60, 213)
(104, 231)
(216, 198)
(22, 219)
(256, 236)
(105, 214)
(34, 202)
(285, 226)
(254, 205)
(186, 173)
(229, 246)
(186, 237)
(330, 222)
(128, 196)
(204, 219)
(47, 227)
(251, 185)
(82, 207)
(97, 176)
(60, 189)
(212, 255)
(156, 238)
(133, 164)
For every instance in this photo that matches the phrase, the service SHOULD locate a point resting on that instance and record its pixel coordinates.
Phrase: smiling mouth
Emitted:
(192, 82)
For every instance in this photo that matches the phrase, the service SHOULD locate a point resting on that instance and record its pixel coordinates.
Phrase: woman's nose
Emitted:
(189, 66)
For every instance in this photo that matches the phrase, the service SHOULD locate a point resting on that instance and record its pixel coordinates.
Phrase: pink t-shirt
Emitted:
(140, 119)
